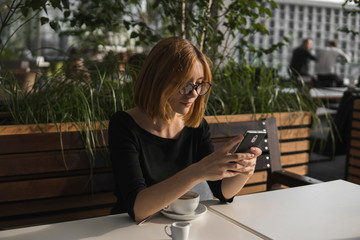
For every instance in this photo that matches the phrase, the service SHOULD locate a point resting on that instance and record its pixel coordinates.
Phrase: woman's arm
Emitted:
(154, 198)
(234, 169)
(231, 186)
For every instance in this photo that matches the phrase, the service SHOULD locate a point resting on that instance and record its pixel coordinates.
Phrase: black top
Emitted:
(300, 60)
(141, 159)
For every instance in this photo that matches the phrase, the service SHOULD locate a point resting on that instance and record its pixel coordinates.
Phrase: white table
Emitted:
(118, 227)
(328, 92)
(329, 210)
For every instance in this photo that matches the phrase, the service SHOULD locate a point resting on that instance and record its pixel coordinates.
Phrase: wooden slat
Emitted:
(353, 179)
(355, 124)
(355, 133)
(357, 104)
(355, 143)
(252, 189)
(258, 177)
(287, 134)
(354, 171)
(354, 161)
(44, 142)
(56, 204)
(232, 129)
(47, 128)
(354, 152)
(50, 162)
(55, 187)
(301, 170)
(282, 119)
(287, 147)
(356, 115)
(293, 159)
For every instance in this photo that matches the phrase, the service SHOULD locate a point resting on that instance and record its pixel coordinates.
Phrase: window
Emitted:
(343, 45)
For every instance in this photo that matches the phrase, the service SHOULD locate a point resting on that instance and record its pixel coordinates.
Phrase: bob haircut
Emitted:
(169, 67)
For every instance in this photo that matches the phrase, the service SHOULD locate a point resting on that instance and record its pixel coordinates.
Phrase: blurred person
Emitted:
(300, 60)
(162, 148)
(325, 66)
(75, 68)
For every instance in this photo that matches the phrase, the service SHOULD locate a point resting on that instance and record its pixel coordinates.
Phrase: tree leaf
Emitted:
(44, 20)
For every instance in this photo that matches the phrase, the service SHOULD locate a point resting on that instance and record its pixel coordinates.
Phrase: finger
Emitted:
(230, 144)
(238, 157)
(257, 151)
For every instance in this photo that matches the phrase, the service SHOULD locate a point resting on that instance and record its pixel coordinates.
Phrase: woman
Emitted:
(161, 148)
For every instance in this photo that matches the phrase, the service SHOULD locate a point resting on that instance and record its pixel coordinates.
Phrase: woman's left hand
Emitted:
(245, 164)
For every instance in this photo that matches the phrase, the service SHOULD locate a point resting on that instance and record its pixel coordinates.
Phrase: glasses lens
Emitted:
(187, 89)
(203, 88)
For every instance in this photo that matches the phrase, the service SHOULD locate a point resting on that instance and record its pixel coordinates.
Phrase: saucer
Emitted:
(199, 211)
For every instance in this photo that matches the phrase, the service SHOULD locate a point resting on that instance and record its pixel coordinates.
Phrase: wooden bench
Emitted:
(48, 177)
(352, 171)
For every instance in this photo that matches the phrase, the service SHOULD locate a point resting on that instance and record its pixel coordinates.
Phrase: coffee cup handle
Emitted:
(166, 228)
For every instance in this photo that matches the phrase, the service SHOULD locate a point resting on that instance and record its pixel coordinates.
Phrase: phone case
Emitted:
(251, 139)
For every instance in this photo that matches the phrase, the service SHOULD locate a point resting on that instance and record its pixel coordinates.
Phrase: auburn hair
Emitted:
(169, 67)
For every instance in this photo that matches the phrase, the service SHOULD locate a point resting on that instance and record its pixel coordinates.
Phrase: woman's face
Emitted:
(181, 103)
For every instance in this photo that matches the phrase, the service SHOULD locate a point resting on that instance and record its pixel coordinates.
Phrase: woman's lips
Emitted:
(187, 104)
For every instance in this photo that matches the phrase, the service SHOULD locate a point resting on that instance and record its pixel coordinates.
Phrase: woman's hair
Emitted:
(167, 68)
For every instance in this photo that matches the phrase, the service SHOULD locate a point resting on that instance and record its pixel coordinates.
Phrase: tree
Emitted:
(16, 13)
(351, 7)
(218, 27)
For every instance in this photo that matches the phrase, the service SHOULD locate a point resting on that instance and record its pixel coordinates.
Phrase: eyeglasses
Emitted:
(201, 88)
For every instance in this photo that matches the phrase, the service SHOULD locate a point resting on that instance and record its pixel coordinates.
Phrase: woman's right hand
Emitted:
(223, 164)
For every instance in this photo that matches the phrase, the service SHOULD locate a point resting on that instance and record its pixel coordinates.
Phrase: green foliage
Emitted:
(350, 8)
(16, 13)
(242, 89)
(57, 99)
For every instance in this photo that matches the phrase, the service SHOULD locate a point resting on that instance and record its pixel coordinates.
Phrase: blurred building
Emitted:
(319, 20)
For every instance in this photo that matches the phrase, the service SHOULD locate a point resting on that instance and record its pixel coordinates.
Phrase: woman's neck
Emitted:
(160, 128)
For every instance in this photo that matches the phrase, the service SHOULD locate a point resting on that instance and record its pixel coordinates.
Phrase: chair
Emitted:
(270, 159)
(352, 171)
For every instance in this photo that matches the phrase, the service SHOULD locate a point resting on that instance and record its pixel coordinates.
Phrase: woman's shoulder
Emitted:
(120, 116)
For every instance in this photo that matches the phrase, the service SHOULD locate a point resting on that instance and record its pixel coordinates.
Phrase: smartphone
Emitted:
(251, 139)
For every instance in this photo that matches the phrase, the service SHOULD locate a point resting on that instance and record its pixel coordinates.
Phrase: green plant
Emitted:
(244, 89)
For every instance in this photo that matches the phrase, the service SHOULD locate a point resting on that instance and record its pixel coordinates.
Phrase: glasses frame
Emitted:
(195, 87)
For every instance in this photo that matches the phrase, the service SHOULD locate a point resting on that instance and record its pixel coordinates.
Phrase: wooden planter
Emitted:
(47, 172)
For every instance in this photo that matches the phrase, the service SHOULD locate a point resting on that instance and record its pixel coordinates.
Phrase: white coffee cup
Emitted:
(184, 205)
(178, 230)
